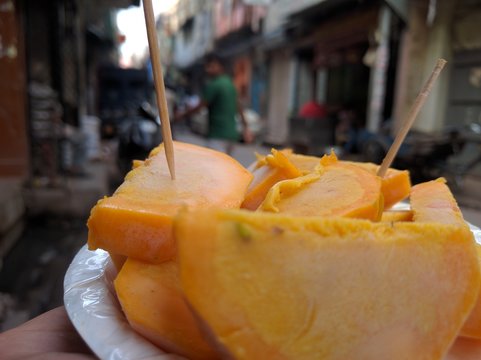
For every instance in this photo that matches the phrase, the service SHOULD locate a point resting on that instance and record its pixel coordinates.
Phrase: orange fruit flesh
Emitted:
(154, 305)
(283, 287)
(472, 326)
(432, 201)
(305, 163)
(396, 184)
(137, 220)
(337, 189)
(269, 171)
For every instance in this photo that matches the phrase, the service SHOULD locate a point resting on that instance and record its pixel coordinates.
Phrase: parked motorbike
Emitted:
(138, 135)
(452, 154)
(467, 156)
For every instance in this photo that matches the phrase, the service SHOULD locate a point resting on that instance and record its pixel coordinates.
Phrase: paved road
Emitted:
(244, 153)
(31, 279)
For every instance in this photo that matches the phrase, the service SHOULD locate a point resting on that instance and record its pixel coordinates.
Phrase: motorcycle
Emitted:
(452, 154)
(138, 135)
(466, 158)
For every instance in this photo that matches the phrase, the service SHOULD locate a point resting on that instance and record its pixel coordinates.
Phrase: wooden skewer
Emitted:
(408, 122)
(159, 85)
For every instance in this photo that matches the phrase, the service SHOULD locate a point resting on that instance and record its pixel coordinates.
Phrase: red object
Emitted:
(312, 110)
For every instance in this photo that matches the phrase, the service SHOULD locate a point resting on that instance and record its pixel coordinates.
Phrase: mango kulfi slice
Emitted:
(154, 305)
(271, 286)
(137, 220)
(396, 184)
(432, 201)
(335, 189)
(268, 171)
(472, 326)
(137, 163)
(305, 163)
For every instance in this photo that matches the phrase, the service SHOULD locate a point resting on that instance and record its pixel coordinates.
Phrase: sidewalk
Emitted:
(35, 260)
(74, 196)
(31, 280)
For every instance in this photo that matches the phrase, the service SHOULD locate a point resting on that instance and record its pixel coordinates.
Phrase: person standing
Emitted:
(221, 100)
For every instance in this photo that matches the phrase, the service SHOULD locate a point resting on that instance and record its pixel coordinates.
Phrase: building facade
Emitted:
(448, 30)
(370, 56)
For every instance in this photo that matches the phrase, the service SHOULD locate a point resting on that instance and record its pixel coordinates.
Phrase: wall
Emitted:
(13, 129)
(184, 10)
(281, 82)
(464, 101)
(279, 10)
(193, 40)
(422, 45)
(231, 16)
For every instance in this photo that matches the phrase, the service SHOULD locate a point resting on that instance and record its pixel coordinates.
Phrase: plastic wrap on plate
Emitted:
(92, 306)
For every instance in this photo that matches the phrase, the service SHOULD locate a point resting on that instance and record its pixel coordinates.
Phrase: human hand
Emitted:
(247, 136)
(50, 336)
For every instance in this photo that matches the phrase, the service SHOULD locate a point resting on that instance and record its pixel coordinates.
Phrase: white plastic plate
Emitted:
(93, 308)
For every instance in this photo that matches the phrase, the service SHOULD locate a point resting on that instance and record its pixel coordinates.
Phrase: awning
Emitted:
(238, 42)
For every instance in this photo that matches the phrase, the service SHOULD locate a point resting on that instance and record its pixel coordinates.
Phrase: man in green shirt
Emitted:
(220, 98)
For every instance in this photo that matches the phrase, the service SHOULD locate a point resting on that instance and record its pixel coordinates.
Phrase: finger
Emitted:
(56, 356)
(49, 332)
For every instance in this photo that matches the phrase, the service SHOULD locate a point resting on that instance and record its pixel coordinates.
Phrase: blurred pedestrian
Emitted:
(221, 100)
(347, 128)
